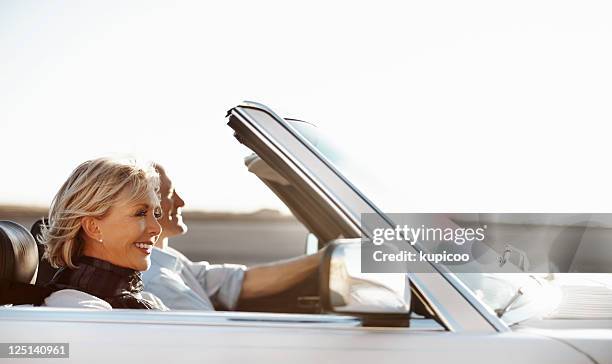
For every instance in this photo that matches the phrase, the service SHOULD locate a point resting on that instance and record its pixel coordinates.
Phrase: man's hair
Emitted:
(90, 190)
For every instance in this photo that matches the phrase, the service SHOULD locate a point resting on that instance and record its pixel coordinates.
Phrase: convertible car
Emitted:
(340, 314)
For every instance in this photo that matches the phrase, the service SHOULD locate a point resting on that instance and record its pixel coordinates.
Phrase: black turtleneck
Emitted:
(120, 287)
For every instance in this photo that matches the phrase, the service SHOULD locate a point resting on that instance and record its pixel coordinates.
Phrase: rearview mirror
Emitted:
(375, 297)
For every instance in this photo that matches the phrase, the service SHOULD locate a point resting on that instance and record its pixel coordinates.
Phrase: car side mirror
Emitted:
(380, 299)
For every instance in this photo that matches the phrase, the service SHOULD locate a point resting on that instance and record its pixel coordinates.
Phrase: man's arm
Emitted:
(268, 279)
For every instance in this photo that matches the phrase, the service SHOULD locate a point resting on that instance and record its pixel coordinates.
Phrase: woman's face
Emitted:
(128, 232)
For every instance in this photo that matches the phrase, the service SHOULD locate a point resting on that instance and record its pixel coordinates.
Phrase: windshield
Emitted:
(513, 296)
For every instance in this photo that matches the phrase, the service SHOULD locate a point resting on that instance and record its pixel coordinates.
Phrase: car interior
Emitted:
(21, 282)
(304, 297)
(25, 272)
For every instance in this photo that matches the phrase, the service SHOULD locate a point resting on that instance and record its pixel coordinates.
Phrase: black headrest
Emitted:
(18, 253)
(45, 270)
(36, 231)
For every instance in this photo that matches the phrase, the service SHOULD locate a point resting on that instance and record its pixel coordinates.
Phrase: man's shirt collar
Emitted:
(163, 258)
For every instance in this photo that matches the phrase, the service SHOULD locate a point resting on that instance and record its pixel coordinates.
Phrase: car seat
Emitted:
(19, 266)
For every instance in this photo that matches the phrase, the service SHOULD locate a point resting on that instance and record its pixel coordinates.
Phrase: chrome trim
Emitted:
(127, 316)
(316, 152)
(300, 169)
(19, 315)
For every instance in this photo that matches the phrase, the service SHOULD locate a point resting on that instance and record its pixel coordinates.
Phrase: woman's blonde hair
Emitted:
(92, 188)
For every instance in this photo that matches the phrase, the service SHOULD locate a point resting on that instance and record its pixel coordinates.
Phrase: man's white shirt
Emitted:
(185, 285)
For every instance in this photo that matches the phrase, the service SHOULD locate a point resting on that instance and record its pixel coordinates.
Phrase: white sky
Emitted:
(457, 106)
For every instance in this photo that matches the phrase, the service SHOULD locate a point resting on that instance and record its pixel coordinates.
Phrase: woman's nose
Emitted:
(153, 228)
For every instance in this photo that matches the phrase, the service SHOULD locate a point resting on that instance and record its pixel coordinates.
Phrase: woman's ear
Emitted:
(91, 227)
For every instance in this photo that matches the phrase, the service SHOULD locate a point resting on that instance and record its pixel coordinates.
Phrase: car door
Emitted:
(139, 336)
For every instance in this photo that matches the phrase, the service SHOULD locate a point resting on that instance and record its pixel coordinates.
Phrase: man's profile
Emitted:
(183, 284)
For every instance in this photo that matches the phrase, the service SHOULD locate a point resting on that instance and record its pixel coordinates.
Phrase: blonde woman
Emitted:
(103, 224)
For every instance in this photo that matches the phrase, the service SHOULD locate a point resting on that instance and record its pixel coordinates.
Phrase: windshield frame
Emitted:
(458, 307)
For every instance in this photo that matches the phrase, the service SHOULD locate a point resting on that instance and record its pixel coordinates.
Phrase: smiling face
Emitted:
(125, 235)
(172, 205)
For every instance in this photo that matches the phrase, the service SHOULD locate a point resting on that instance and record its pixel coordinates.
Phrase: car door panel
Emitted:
(230, 337)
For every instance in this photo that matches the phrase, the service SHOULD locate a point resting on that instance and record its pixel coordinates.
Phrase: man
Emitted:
(183, 284)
